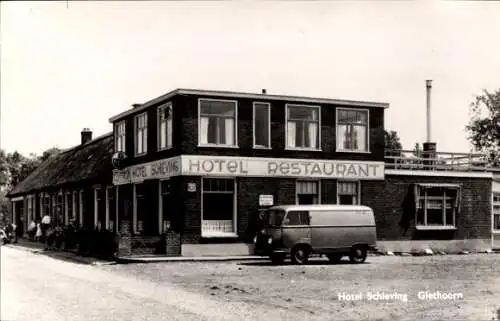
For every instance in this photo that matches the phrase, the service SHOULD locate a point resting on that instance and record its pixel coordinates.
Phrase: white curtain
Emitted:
(341, 136)
(204, 130)
(291, 133)
(313, 135)
(163, 134)
(139, 141)
(229, 130)
(145, 142)
(169, 132)
(361, 138)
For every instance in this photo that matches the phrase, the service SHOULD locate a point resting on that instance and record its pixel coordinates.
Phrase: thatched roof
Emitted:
(89, 162)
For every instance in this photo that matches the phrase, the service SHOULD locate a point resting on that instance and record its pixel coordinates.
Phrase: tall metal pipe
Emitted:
(428, 85)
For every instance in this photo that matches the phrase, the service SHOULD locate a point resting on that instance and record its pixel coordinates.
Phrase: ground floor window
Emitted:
(436, 205)
(68, 213)
(59, 211)
(165, 206)
(110, 209)
(496, 212)
(218, 207)
(307, 192)
(139, 208)
(100, 208)
(348, 193)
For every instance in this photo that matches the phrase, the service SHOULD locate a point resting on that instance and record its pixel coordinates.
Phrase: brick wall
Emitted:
(392, 201)
(189, 133)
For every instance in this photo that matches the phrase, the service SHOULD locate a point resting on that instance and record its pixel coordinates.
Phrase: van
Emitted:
(300, 231)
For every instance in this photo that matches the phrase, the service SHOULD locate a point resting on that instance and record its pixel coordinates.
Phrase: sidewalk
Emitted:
(37, 248)
(156, 259)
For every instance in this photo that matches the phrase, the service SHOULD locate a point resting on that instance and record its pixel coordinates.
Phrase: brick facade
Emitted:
(392, 201)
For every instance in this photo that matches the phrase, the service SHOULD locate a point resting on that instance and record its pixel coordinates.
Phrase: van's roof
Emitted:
(321, 207)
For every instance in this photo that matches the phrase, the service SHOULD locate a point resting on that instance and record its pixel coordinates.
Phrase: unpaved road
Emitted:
(315, 290)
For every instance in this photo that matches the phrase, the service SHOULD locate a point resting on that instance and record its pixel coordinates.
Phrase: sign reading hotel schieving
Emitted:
(199, 165)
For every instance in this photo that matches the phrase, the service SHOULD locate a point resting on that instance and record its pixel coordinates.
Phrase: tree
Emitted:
(392, 140)
(484, 126)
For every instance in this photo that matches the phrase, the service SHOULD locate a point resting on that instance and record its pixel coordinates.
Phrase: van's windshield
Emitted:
(274, 217)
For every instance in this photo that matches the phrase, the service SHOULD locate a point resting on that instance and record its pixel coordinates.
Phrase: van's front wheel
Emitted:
(358, 254)
(300, 255)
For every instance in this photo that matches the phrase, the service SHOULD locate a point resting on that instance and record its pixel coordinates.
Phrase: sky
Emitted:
(70, 65)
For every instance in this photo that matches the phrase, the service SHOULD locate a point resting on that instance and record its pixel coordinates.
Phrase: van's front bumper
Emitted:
(265, 246)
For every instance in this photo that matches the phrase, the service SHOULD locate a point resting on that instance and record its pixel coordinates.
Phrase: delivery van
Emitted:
(300, 231)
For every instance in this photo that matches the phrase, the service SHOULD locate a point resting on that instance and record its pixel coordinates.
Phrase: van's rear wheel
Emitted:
(300, 255)
(334, 258)
(358, 254)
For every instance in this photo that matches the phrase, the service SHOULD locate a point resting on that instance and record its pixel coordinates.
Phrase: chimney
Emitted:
(264, 91)
(429, 147)
(136, 105)
(86, 135)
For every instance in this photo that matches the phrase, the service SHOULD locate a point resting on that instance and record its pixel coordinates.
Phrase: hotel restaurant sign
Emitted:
(200, 165)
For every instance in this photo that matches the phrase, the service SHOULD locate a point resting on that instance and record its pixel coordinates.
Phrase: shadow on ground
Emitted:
(287, 263)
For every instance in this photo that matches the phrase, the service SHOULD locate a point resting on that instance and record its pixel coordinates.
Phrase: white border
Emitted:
(235, 145)
(316, 149)
(406, 172)
(268, 105)
(368, 151)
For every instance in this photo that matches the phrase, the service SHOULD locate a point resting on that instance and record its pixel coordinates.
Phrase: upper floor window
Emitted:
(217, 122)
(120, 137)
(261, 125)
(302, 127)
(141, 133)
(352, 130)
(165, 126)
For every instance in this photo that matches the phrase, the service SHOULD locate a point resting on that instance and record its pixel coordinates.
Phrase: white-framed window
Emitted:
(165, 205)
(353, 130)
(436, 205)
(348, 192)
(110, 208)
(80, 207)
(303, 127)
(120, 136)
(307, 192)
(30, 209)
(141, 134)
(74, 206)
(217, 122)
(496, 212)
(165, 126)
(138, 208)
(218, 210)
(261, 125)
(68, 208)
(100, 207)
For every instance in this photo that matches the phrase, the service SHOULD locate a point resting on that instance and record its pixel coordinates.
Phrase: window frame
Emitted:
(120, 145)
(235, 209)
(297, 181)
(422, 194)
(316, 149)
(169, 125)
(235, 145)
(268, 106)
(342, 150)
(495, 204)
(144, 137)
(358, 189)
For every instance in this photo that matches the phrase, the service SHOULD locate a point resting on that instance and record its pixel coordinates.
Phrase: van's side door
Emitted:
(296, 228)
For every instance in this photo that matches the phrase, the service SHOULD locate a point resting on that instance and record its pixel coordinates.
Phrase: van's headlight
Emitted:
(255, 239)
(270, 240)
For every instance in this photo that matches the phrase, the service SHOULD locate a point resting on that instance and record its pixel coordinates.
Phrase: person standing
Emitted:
(45, 227)
(38, 234)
